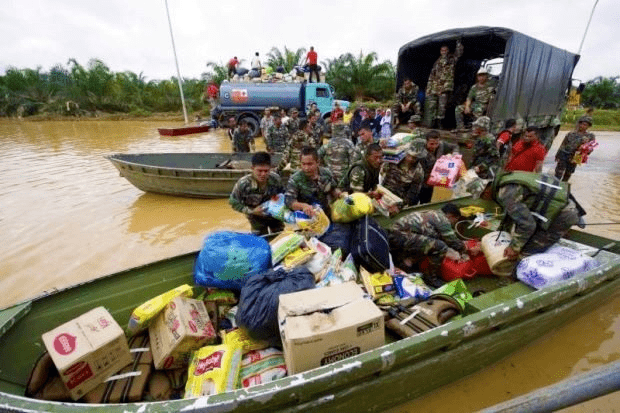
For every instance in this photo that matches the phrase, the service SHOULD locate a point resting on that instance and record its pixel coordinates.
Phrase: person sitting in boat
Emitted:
(363, 176)
(405, 178)
(427, 233)
(311, 185)
(539, 205)
(528, 153)
(253, 189)
(243, 141)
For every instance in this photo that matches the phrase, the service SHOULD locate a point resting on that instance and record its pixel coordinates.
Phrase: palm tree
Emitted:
(217, 73)
(286, 58)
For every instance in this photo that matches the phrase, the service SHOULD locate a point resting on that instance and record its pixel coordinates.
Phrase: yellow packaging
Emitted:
(316, 226)
(470, 210)
(377, 284)
(352, 207)
(142, 315)
(238, 337)
(213, 370)
(300, 256)
(284, 244)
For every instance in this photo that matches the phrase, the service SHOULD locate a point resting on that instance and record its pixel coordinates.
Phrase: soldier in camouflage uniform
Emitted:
(317, 129)
(254, 189)
(311, 185)
(431, 148)
(339, 153)
(539, 206)
(365, 138)
(300, 139)
(426, 234)
(406, 101)
(265, 122)
(570, 145)
(478, 99)
(293, 121)
(277, 136)
(405, 178)
(440, 85)
(414, 124)
(486, 158)
(242, 141)
(363, 176)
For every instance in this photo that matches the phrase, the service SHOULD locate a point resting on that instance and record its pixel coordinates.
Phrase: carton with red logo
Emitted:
(213, 370)
(183, 326)
(87, 350)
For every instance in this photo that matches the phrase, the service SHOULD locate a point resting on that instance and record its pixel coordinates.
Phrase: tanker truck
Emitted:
(247, 101)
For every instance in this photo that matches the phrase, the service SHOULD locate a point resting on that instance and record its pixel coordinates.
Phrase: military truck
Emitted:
(247, 101)
(533, 77)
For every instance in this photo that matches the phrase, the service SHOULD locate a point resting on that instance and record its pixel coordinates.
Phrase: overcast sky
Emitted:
(133, 34)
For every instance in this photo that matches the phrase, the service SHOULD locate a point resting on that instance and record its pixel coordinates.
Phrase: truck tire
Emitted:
(253, 124)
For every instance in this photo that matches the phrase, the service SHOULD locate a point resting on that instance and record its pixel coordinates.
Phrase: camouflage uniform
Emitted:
(403, 181)
(265, 123)
(564, 156)
(317, 135)
(340, 130)
(528, 236)
(427, 160)
(440, 85)
(360, 148)
(480, 96)
(420, 234)
(337, 156)
(277, 138)
(300, 188)
(293, 150)
(293, 125)
(486, 156)
(360, 177)
(242, 140)
(404, 96)
(247, 195)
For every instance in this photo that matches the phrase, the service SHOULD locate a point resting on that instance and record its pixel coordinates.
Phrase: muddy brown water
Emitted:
(66, 216)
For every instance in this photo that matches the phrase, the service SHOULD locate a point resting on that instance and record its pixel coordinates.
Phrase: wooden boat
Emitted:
(505, 318)
(199, 175)
(183, 130)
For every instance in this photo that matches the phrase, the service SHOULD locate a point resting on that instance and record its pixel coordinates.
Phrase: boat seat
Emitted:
(497, 296)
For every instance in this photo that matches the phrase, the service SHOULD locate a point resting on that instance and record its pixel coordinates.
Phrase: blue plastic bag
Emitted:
(228, 259)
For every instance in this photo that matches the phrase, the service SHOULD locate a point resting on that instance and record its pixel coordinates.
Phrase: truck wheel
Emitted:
(253, 125)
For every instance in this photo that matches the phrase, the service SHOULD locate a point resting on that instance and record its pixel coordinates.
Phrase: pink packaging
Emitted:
(446, 170)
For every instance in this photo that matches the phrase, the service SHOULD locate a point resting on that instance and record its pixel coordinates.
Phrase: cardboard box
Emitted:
(87, 350)
(329, 324)
(182, 327)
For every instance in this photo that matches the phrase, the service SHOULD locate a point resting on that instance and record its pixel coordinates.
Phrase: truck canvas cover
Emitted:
(533, 83)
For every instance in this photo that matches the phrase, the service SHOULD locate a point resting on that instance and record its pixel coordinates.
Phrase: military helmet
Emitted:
(415, 118)
(586, 119)
(483, 122)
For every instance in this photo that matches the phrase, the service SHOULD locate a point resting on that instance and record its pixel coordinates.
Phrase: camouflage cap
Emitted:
(483, 122)
(586, 119)
(415, 118)
(294, 110)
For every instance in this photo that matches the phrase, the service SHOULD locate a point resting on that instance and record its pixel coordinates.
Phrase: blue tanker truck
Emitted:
(247, 101)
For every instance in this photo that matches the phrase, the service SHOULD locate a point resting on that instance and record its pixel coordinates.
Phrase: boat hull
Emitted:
(184, 130)
(196, 175)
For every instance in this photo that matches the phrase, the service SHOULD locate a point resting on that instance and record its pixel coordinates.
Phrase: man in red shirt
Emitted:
(232, 66)
(311, 61)
(528, 153)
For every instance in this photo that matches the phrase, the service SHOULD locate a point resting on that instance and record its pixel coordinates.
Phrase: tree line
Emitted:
(74, 89)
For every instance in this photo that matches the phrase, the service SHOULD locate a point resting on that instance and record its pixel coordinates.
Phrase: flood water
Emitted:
(66, 216)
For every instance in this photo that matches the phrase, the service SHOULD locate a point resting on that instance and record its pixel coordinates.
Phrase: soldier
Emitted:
(406, 101)
(431, 148)
(232, 124)
(440, 85)
(569, 147)
(414, 124)
(539, 205)
(427, 233)
(254, 189)
(293, 121)
(363, 176)
(486, 156)
(405, 178)
(478, 99)
(243, 141)
(339, 153)
(311, 185)
(316, 131)
(277, 136)
(266, 122)
(365, 139)
(300, 139)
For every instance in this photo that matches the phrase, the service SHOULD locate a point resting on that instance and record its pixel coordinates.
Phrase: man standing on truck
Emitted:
(254, 189)
(565, 156)
(243, 141)
(277, 136)
(311, 61)
(477, 101)
(299, 139)
(407, 103)
(256, 65)
(441, 84)
(232, 67)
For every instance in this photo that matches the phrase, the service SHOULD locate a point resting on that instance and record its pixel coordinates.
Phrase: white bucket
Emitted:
(493, 247)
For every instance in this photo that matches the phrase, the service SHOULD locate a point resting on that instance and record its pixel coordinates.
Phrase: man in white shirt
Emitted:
(256, 63)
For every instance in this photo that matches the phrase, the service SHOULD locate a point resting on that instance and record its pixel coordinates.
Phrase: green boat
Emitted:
(505, 318)
(196, 175)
